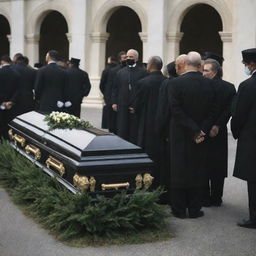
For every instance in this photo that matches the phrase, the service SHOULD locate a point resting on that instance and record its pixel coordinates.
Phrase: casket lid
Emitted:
(74, 143)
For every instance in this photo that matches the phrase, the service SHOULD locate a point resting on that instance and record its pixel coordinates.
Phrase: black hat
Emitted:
(75, 61)
(211, 55)
(249, 55)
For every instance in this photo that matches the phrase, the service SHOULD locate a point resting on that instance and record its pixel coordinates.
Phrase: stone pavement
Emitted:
(215, 234)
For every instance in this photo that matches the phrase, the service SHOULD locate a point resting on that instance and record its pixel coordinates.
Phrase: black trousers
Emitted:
(213, 190)
(252, 200)
(186, 199)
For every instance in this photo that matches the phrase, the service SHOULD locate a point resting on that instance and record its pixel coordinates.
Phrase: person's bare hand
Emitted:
(214, 131)
(114, 107)
(199, 138)
(132, 110)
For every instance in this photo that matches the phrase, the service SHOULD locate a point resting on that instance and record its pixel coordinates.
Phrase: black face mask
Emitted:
(123, 63)
(130, 62)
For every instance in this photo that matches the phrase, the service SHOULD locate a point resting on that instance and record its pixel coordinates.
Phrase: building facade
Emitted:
(94, 29)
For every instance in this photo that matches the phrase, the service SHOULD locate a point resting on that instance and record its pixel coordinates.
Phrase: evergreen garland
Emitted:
(77, 216)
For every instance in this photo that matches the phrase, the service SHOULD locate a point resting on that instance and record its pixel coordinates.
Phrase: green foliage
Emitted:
(71, 216)
(62, 120)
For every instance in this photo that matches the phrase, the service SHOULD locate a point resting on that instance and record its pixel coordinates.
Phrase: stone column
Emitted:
(32, 41)
(144, 39)
(173, 45)
(17, 27)
(97, 60)
(156, 28)
(226, 38)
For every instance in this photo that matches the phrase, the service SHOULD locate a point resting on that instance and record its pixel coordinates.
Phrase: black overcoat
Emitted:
(192, 102)
(217, 159)
(109, 115)
(124, 91)
(51, 83)
(146, 109)
(243, 126)
(25, 99)
(78, 86)
(9, 85)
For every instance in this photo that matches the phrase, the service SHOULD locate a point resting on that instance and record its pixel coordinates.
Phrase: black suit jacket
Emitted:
(50, 87)
(25, 98)
(9, 84)
(79, 85)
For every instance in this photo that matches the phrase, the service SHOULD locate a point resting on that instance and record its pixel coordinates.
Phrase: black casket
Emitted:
(89, 160)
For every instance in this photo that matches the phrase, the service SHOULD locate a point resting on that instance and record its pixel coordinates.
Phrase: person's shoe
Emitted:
(180, 216)
(196, 215)
(247, 224)
(216, 203)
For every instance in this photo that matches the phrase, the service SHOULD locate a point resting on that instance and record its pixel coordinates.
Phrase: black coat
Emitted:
(79, 86)
(146, 109)
(104, 77)
(243, 126)
(192, 102)
(9, 85)
(217, 160)
(25, 98)
(50, 86)
(108, 115)
(124, 91)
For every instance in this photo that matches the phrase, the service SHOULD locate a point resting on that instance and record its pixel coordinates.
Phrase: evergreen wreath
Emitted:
(71, 217)
(62, 120)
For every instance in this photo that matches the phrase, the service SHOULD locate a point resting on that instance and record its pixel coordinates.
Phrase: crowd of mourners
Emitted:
(179, 117)
(56, 86)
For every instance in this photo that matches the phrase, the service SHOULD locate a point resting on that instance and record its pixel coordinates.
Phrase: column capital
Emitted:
(99, 37)
(174, 36)
(9, 38)
(143, 36)
(69, 37)
(32, 38)
(225, 36)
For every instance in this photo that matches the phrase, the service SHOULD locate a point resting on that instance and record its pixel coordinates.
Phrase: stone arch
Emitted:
(5, 13)
(40, 12)
(106, 10)
(178, 13)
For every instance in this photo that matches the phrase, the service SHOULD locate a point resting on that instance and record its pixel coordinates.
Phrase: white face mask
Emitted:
(247, 71)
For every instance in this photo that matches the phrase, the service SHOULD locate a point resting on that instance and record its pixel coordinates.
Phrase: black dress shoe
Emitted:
(247, 224)
(196, 215)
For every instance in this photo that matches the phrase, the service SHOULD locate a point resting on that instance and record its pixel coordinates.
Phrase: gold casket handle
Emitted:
(115, 186)
(55, 164)
(19, 139)
(34, 150)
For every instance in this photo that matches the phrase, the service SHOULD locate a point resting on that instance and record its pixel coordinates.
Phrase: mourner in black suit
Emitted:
(217, 143)
(146, 104)
(243, 125)
(163, 115)
(192, 114)
(51, 83)
(106, 86)
(124, 91)
(79, 86)
(9, 84)
(25, 99)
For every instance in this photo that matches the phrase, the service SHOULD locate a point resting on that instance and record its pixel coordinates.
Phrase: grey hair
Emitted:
(216, 68)
(136, 53)
(194, 59)
(156, 61)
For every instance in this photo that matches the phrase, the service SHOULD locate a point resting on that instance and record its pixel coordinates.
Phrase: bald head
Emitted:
(180, 64)
(193, 61)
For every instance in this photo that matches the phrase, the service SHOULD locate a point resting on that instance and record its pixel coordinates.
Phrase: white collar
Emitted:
(50, 62)
(5, 65)
(132, 66)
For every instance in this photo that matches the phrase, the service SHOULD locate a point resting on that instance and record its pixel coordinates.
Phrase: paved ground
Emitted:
(215, 234)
